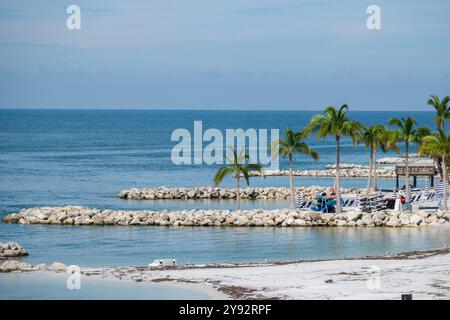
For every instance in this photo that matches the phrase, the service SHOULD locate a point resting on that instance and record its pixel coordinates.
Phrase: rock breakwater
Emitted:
(76, 215)
(347, 171)
(279, 193)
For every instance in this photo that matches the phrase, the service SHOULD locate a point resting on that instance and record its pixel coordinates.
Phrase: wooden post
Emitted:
(396, 183)
(415, 181)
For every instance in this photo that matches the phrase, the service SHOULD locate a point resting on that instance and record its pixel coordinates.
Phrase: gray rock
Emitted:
(14, 265)
(394, 222)
(405, 218)
(353, 216)
(58, 266)
(415, 219)
(12, 250)
(366, 219)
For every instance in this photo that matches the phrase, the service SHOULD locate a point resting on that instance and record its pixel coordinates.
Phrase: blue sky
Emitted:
(252, 54)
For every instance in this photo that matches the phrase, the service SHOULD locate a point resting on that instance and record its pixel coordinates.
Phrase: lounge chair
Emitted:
(300, 203)
(431, 207)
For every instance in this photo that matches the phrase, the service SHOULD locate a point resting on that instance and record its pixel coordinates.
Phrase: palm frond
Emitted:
(221, 173)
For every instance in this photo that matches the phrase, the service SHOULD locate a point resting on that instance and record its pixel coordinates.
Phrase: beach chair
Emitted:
(437, 203)
(433, 207)
(301, 203)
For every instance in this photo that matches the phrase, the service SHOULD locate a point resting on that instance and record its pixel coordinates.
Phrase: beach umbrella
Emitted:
(394, 194)
(299, 201)
(427, 189)
(439, 188)
(398, 201)
(357, 204)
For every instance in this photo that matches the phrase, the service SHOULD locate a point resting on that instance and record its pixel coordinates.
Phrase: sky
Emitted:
(215, 54)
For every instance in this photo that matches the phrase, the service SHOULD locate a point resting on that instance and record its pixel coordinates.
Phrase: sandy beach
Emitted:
(424, 274)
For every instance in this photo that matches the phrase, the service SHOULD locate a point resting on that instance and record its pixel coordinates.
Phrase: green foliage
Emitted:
(407, 131)
(292, 143)
(334, 122)
(236, 166)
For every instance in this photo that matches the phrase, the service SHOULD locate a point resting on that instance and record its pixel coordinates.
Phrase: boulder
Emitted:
(13, 265)
(289, 221)
(327, 217)
(353, 216)
(366, 220)
(135, 222)
(351, 223)
(416, 219)
(378, 217)
(404, 218)
(58, 266)
(300, 222)
(41, 267)
(12, 250)
(393, 222)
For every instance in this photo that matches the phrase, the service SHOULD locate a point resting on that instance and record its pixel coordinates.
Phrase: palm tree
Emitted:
(237, 167)
(442, 110)
(374, 137)
(438, 145)
(335, 122)
(370, 135)
(442, 114)
(385, 142)
(407, 132)
(292, 142)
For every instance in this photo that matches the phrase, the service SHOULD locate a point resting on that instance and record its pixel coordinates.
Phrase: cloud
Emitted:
(262, 51)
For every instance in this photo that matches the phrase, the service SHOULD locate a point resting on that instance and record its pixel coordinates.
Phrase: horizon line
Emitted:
(379, 109)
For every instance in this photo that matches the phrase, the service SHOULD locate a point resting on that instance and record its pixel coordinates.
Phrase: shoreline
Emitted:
(240, 282)
(344, 278)
(91, 285)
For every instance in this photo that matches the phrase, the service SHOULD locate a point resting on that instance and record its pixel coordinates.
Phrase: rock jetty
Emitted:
(396, 160)
(348, 170)
(16, 266)
(11, 250)
(279, 193)
(76, 215)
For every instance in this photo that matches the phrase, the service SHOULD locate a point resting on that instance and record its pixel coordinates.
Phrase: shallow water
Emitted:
(38, 285)
(119, 246)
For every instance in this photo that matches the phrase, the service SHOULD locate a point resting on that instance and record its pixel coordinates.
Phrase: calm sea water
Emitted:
(37, 285)
(53, 157)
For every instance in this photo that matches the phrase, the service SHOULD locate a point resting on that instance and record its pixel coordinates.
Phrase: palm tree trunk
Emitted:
(407, 171)
(439, 166)
(238, 194)
(375, 176)
(444, 169)
(291, 181)
(369, 178)
(338, 173)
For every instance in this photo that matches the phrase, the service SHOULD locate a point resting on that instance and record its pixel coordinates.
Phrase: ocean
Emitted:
(52, 157)
(84, 157)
